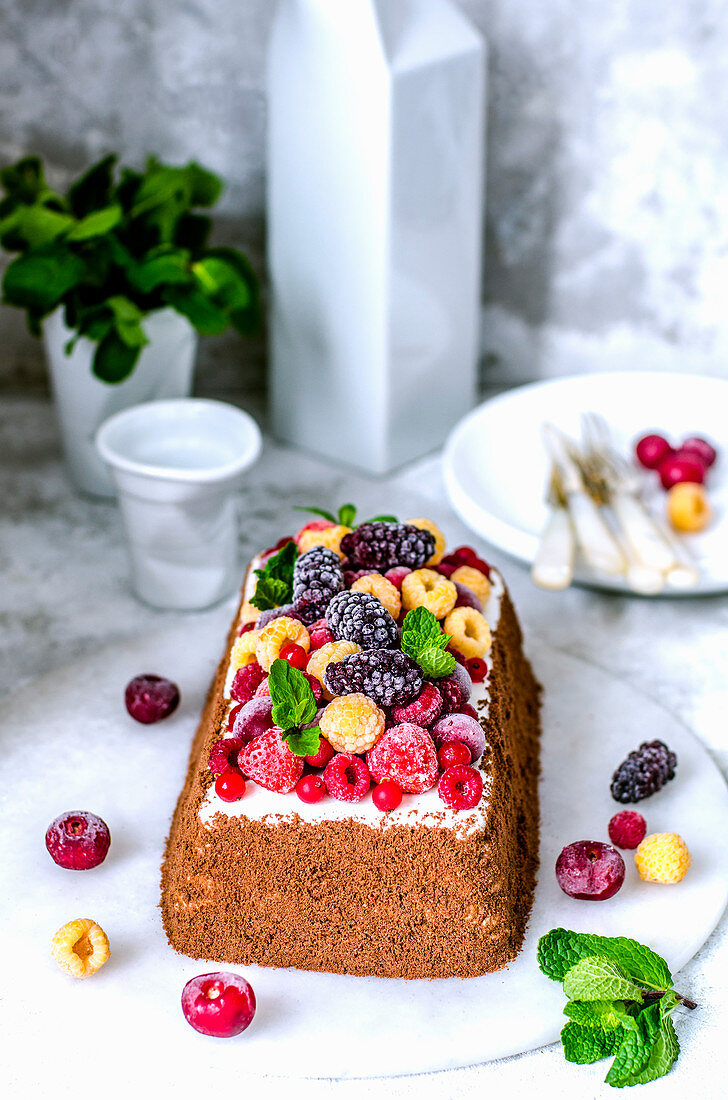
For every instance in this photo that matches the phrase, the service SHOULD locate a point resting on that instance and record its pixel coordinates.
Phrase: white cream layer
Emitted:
(421, 810)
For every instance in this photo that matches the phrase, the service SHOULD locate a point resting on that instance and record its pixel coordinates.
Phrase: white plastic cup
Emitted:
(177, 466)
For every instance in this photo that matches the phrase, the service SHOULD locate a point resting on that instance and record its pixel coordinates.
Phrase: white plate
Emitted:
(68, 744)
(496, 467)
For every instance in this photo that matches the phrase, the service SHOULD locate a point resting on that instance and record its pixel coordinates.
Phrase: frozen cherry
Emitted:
(466, 597)
(311, 788)
(322, 757)
(679, 467)
(78, 840)
(452, 753)
(220, 1004)
(590, 870)
(230, 786)
(701, 449)
(254, 719)
(151, 698)
(652, 450)
(387, 796)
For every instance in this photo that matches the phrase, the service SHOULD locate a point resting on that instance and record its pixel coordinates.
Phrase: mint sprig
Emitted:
(425, 642)
(294, 706)
(275, 580)
(345, 515)
(620, 1000)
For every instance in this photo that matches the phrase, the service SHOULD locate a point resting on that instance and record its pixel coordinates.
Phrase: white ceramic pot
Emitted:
(164, 369)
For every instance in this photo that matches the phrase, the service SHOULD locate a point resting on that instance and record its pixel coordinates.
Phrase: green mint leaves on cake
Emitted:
(275, 579)
(620, 1000)
(294, 705)
(424, 641)
(345, 516)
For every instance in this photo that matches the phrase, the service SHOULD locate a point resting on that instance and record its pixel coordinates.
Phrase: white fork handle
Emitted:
(641, 578)
(642, 533)
(684, 574)
(553, 566)
(595, 540)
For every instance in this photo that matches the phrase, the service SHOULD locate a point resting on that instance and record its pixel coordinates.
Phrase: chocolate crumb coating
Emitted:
(402, 901)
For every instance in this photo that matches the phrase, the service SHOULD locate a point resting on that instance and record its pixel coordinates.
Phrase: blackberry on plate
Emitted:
(383, 545)
(388, 676)
(361, 618)
(644, 772)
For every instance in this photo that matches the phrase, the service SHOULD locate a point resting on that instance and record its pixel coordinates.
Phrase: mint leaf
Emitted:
(435, 662)
(304, 742)
(422, 622)
(636, 1048)
(275, 580)
(662, 1056)
(608, 1015)
(347, 515)
(560, 949)
(424, 641)
(587, 1044)
(316, 512)
(598, 979)
(294, 703)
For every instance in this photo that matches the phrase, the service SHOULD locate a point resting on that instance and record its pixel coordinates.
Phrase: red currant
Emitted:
(295, 655)
(477, 668)
(311, 788)
(230, 786)
(387, 795)
(452, 753)
(322, 757)
(245, 628)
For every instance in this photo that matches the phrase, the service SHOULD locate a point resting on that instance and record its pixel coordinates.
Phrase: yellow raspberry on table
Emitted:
(473, 579)
(321, 658)
(470, 632)
(428, 525)
(80, 948)
(662, 857)
(330, 537)
(387, 594)
(275, 635)
(352, 723)
(244, 649)
(426, 588)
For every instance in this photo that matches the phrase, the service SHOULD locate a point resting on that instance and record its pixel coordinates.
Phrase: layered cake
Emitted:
(362, 789)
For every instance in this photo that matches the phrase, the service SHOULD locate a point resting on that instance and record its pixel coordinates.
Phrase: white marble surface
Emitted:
(64, 592)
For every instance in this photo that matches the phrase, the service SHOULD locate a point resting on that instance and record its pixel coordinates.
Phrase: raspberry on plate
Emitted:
(627, 829)
(346, 777)
(407, 755)
(663, 858)
(220, 1004)
(269, 762)
(78, 840)
(460, 787)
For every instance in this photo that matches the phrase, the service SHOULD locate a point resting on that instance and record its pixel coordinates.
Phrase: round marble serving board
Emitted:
(67, 743)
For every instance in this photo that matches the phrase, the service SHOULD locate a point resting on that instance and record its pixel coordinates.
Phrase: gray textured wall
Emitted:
(607, 231)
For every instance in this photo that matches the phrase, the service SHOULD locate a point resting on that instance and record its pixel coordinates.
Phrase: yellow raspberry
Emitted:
(426, 588)
(428, 525)
(80, 948)
(321, 658)
(473, 579)
(662, 857)
(470, 632)
(275, 635)
(248, 613)
(352, 723)
(387, 594)
(244, 649)
(330, 537)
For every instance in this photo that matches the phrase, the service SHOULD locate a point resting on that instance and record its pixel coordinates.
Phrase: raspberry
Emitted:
(269, 762)
(230, 786)
(243, 651)
(383, 545)
(80, 948)
(245, 628)
(317, 577)
(466, 708)
(627, 829)
(346, 777)
(427, 588)
(247, 680)
(316, 688)
(473, 579)
(274, 636)
(406, 754)
(460, 727)
(352, 723)
(644, 772)
(396, 575)
(456, 654)
(478, 669)
(387, 676)
(319, 634)
(452, 753)
(461, 555)
(450, 694)
(330, 537)
(263, 688)
(78, 840)
(423, 710)
(460, 787)
(311, 789)
(324, 754)
(387, 795)
(150, 698)
(590, 871)
(470, 632)
(219, 1004)
(224, 754)
(428, 525)
(321, 658)
(361, 618)
(662, 857)
(254, 719)
(386, 592)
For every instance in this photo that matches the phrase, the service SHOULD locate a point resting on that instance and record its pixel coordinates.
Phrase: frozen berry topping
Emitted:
(311, 789)
(224, 754)
(589, 870)
(406, 754)
(463, 728)
(254, 718)
(78, 840)
(387, 676)
(359, 617)
(246, 681)
(269, 762)
(346, 777)
(423, 710)
(644, 772)
(387, 796)
(220, 1004)
(230, 786)
(150, 698)
(324, 754)
(383, 545)
(452, 753)
(460, 787)
(627, 829)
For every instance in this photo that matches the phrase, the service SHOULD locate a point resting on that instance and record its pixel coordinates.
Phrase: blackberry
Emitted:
(385, 545)
(317, 576)
(361, 618)
(388, 676)
(644, 772)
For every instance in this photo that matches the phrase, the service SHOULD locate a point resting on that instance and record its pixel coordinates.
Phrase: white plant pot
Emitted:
(164, 370)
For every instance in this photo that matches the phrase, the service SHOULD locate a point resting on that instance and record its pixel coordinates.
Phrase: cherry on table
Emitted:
(221, 1004)
(78, 840)
(150, 698)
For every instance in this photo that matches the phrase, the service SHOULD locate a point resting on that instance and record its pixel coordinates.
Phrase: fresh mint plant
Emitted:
(620, 1003)
(345, 516)
(115, 247)
(294, 705)
(275, 579)
(425, 642)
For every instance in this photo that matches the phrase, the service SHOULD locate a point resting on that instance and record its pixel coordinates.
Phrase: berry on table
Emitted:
(387, 796)
(246, 682)
(460, 787)
(269, 762)
(224, 754)
(361, 618)
(255, 718)
(589, 870)
(78, 840)
(382, 545)
(478, 669)
(644, 772)
(80, 947)
(352, 723)
(652, 450)
(627, 829)
(220, 1004)
(452, 753)
(460, 727)
(406, 754)
(346, 777)
(150, 698)
(311, 789)
(701, 449)
(423, 710)
(663, 858)
(681, 467)
(469, 630)
(230, 786)
(294, 654)
(322, 757)
(688, 507)
(388, 676)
